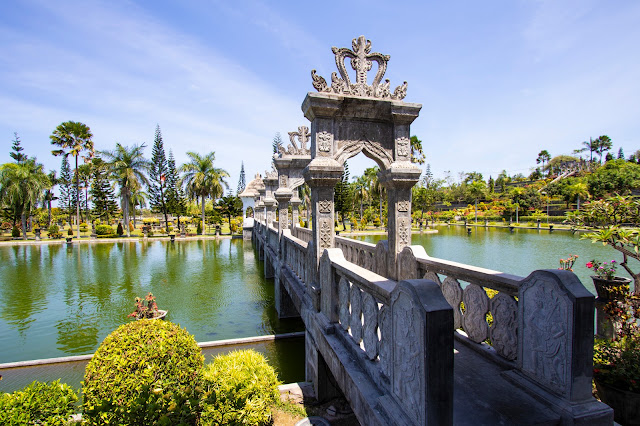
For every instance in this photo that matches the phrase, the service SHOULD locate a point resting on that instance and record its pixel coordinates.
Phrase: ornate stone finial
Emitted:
(361, 61)
(303, 136)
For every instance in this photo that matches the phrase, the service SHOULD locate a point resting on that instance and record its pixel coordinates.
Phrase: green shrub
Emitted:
(70, 232)
(54, 231)
(15, 232)
(144, 372)
(199, 228)
(120, 230)
(39, 403)
(84, 227)
(104, 230)
(239, 388)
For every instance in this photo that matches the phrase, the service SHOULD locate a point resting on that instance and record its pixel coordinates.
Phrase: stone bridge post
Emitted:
(283, 195)
(321, 175)
(295, 203)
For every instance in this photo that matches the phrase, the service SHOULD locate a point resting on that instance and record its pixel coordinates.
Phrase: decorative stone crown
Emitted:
(361, 62)
(303, 136)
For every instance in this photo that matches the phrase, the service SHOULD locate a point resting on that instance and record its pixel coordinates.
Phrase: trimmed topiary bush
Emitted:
(145, 372)
(104, 230)
(199, 228)
(39, 403)
(120, 230)
(15, 232)
(239, 388)
(54, 231)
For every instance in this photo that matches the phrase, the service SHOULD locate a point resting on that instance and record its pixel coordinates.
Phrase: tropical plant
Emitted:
(73, 138)
(607, 218)
(567, 264)
(604, 270)
(48, 195)
(127, 167)
(145, 308)
(202, 179)
(602, 144)
(102, 194)
(230, 206)
(21, 186)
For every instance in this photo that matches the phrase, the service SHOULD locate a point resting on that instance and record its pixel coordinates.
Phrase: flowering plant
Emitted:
(617, 362)
(604, 270)
(145, 308)
(567, 264)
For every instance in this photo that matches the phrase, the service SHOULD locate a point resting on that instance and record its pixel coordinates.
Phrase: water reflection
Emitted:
(57, 301)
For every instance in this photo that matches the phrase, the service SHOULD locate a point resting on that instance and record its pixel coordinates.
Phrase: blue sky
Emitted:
(498, 80)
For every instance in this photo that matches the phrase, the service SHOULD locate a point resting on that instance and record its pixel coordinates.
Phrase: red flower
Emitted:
(596, 371)
(589, 265)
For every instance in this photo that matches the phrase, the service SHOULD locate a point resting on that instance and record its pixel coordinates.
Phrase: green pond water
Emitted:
(59, 301)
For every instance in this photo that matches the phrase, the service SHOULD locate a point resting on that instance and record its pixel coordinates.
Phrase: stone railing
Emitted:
(372, 257)
(303, 234)
(295, 255)
(542, 325)
(390, 327)
(272, 238)
(486, 309)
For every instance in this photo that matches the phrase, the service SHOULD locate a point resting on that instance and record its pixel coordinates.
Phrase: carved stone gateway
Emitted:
(352, 117)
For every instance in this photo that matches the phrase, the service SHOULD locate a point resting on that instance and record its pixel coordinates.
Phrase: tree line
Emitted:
(91, 189)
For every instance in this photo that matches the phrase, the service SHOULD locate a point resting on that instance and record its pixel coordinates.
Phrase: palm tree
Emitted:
(361, 191)
(73, 138)
(21, 186)
(590, 146)
(603, 144)
(127, 167)
(377, 189)
(49, 196)
(202, 179)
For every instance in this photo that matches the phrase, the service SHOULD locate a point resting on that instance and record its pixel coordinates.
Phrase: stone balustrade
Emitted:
(303, 234)
(295, 255)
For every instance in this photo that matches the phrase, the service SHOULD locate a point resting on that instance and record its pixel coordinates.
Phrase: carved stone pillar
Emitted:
(295, 203)
(321, 175)
(398, 181)
(283, 195)
(270, 211)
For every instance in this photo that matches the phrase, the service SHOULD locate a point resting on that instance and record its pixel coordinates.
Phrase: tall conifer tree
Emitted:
(176, 199)
(66, 188)
(242, 184)
(17, 154)
(104, 198)
(158, 177)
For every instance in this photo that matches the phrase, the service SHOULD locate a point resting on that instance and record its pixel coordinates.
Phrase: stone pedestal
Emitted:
(270, 211)
(37, 232)
(295, 214)
(283, 195)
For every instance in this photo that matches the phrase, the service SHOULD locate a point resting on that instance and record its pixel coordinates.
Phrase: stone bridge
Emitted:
(409, 339)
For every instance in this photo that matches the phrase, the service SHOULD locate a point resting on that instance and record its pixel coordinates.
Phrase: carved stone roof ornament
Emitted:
(361, 62)
(303, 136)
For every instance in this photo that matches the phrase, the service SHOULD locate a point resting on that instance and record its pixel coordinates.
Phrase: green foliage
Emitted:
(39, 403)
(199, 228)
(54, 231)
(104, 230)
(70, 232)
(15, 232)
(145, 372)
(240, 389)
(84, 227)
(120, 229)
(616, 176)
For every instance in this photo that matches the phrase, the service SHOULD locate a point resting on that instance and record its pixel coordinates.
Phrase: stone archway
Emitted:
(348, 118)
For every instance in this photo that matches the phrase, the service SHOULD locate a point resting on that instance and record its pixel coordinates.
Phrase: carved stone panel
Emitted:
(283, 181)
(474, 320)
(504, 310)
(370, 315)
(404, 231)
(452, 292)
(408, 368)
(326, 233)
(324, 140)
(546, 337)
(403, 148)
(355, 321)
(404, 205)
(325, 206)
(343, 303)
